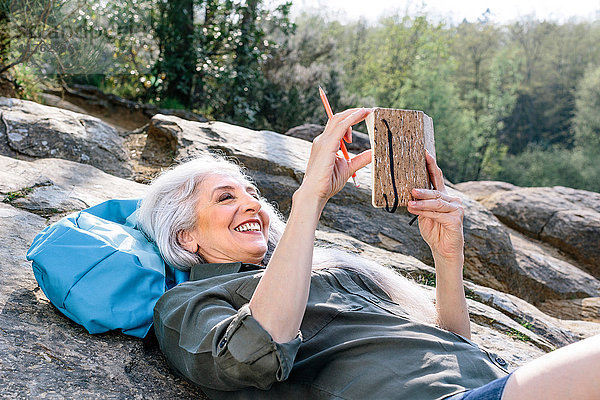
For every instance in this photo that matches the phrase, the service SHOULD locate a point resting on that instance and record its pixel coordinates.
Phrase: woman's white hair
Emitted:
(169, 207)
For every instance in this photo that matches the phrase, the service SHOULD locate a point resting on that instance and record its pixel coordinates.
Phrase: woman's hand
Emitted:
(327, 171)
(440, 217)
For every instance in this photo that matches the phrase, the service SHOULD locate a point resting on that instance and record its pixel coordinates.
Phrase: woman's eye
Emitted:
(225, 196)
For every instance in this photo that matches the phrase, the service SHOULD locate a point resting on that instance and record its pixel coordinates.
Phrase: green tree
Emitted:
(586, 122)
(487, 78)
(431, 90)
(475, 44)
(538, 166)
(205, 55)
(176, 32)
(586, 126)
(31, 36)
(235, 45)
(554, 57)
(498, 101)
(4, 33)
(298, 66)
(122, 37)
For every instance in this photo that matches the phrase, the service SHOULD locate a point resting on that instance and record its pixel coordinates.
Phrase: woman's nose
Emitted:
(251, 203)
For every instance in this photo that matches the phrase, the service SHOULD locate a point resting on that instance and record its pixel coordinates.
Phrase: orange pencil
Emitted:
(330, 115)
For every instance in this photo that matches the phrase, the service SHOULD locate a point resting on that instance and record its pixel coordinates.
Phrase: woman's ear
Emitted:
(187, 241)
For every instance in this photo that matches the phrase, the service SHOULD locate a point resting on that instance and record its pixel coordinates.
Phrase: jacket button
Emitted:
(222, 343)
(500, 361)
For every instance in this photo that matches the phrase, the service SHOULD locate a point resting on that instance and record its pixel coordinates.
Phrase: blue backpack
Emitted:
(99, 270)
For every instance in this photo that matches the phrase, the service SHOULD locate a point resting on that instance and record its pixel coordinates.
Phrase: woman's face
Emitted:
(230, 224)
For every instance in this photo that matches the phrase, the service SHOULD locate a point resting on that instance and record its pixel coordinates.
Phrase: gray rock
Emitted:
(527, 209)
(42, 353)
(545, 274)
(17, 230)
(527, 315)
(38, 131)
(582, 329)
(484, 315)
(577, 232)
(490, 259)
(581, 198)
(56, 186)
(568, 219)
(488, 316)
(586, 309)
(516, 351)
(57, 101)
(119, 112)
(479, 190)
(360, 141)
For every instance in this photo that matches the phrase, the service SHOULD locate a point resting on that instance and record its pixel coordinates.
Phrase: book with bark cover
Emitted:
(399, 139)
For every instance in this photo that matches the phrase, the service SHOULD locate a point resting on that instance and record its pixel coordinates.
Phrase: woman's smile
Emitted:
(252, 226)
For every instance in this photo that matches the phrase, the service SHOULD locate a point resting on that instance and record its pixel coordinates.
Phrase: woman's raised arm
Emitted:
(280, 298)
(441, 225)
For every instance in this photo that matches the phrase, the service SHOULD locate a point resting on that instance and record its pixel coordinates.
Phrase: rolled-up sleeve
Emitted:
(210, 342)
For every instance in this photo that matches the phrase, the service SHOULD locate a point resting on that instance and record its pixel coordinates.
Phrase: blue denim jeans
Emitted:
(490, 391)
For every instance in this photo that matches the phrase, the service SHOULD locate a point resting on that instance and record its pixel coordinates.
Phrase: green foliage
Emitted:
(539, 166)
(11, 196)
(498, 99)
(28, 82)
(469, 294)
(28, 39)
(575, 167)
(239, 86)
(124, 49)
(304, 61)
(426, 279)
(207, 56)
(586, 127)
(526, 324)
(431, 90)
(176, 33)
(475, 44)
(586, 122)
(518, 335)
(409, 62)
(517, 102)
(554, 58)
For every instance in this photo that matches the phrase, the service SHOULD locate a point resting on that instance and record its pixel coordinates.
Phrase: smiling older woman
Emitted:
(266, 315)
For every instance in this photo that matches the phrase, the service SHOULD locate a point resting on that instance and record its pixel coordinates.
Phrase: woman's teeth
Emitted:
(251, 226)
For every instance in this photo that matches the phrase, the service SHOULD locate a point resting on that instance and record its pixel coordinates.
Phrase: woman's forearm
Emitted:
(451, 304)
(280, 298)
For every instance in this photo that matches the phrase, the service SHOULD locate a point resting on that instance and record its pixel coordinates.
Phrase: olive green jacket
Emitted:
(354, 342)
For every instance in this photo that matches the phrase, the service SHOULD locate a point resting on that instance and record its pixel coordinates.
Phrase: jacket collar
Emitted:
(205, 271)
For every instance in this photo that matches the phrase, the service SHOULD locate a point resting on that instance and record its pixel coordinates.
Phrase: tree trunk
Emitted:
(176, 34)
(243, 59)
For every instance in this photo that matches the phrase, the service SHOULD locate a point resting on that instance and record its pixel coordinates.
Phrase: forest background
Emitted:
(517, 102)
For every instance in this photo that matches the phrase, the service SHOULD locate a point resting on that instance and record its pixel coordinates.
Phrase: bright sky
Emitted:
(454, 11)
